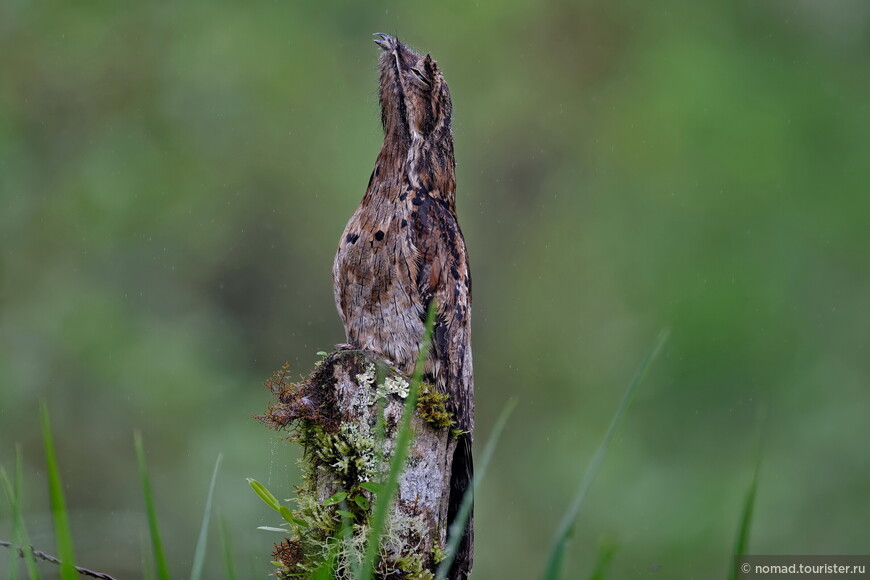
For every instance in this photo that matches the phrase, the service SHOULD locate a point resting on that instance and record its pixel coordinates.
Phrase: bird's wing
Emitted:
(443, 275)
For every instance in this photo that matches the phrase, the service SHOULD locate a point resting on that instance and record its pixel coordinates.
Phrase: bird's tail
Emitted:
(460, 481)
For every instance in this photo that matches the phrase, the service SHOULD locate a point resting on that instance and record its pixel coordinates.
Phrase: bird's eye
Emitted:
(420, 76)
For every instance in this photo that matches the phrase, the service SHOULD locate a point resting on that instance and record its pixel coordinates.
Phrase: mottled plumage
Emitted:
(403, 248)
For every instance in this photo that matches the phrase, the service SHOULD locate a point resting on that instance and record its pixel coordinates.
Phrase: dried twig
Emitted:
(49, 558)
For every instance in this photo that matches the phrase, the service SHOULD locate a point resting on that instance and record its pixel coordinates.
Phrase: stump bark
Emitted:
(346, 417)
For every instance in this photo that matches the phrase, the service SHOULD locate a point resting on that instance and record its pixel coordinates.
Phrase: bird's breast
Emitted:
(375, 274)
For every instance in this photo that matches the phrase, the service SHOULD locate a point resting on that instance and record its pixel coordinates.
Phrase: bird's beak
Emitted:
(386, 42)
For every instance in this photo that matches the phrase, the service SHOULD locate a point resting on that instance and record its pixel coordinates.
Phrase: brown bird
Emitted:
(403, 248)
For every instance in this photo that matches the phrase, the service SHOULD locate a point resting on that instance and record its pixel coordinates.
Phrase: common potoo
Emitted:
(403, 248)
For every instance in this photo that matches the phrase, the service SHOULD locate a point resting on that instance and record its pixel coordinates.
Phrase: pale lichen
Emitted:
(394, 386)
(391, 385)
(367, 378)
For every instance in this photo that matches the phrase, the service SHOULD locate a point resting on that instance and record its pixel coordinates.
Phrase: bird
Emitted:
(402, 250)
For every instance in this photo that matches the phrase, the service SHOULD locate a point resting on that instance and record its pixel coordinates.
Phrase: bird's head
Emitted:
(413, 94)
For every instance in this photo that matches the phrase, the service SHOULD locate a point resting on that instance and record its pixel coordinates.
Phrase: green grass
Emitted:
(147, 559)
(741, 541)
(14, 493)
(606, 551)
(13, 490)
(227, 549)
(13, 487)
(202, 542)
(553, 570)
(156, 545)
(63, 536)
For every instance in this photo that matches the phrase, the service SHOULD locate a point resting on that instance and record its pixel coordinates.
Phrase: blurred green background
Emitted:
(174, 178)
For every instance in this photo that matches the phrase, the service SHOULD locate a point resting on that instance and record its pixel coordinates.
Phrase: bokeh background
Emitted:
(174, 178)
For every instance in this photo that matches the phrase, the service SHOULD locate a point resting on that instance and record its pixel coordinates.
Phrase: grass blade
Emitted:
(403, 444)
(19, 529)
(14, 507)
(63, 536)
(553, 570)
(741, 542)
(147, 560)
(606, 550)
(227, 549)
(156, 545)
(202, 542)
(458, 525)
(13, 488)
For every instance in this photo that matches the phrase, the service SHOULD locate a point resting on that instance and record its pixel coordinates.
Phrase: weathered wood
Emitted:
(346, 416)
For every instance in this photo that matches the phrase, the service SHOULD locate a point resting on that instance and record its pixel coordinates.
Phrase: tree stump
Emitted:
(346, 416)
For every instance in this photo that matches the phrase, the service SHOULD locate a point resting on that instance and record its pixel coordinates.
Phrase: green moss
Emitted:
(438, 554)
(413, 568)
(348, 453)
(432, 408)
(349, 457)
